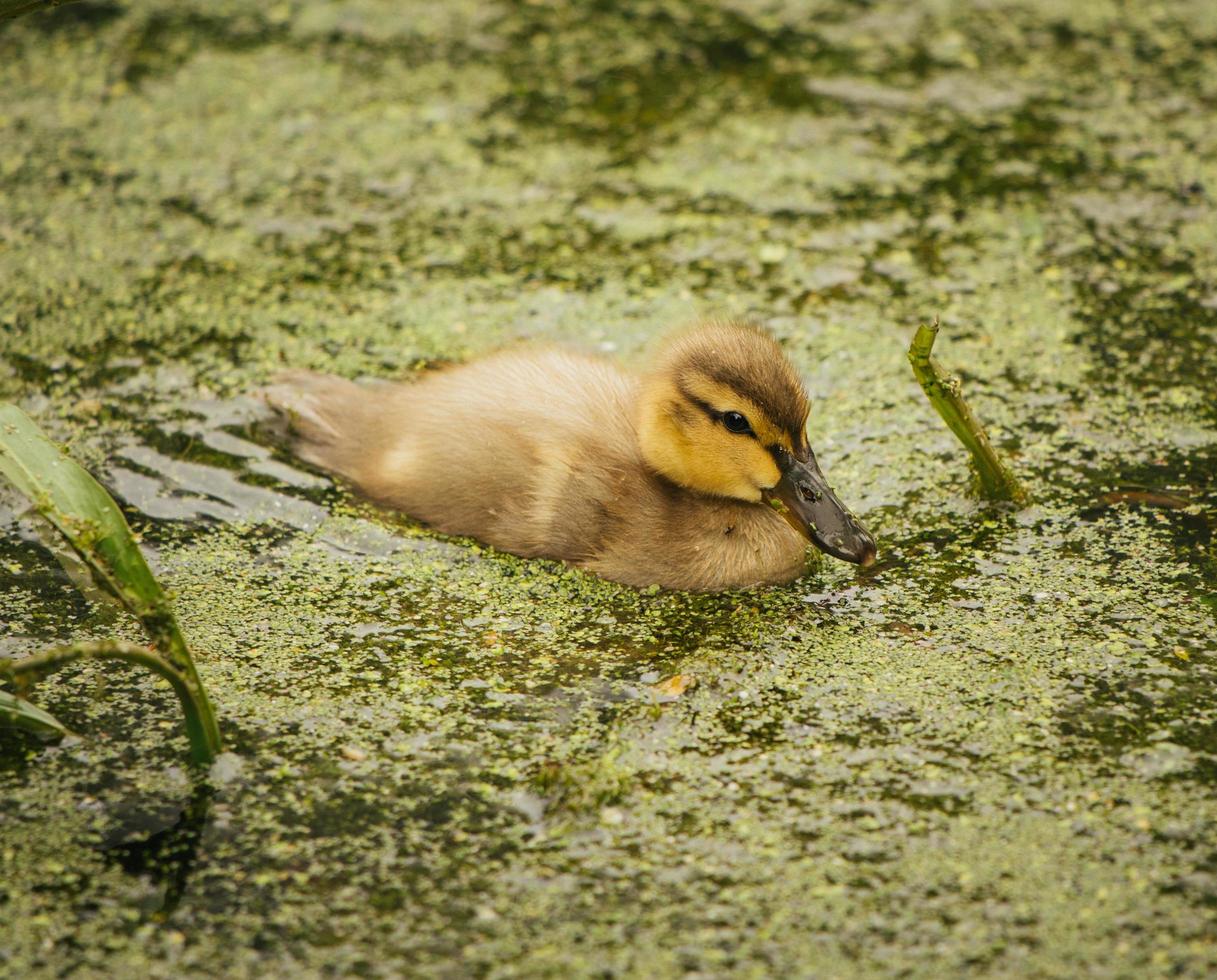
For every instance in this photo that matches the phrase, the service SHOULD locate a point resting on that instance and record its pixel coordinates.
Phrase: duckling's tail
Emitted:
(327, 419)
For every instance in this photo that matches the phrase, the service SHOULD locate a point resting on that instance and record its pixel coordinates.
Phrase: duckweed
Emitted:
(992, 752)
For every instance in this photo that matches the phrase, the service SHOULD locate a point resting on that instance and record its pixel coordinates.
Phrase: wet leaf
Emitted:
(16, 712)
(82, 511)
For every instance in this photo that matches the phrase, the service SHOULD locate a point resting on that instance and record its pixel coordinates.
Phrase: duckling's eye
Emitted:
(735, 422)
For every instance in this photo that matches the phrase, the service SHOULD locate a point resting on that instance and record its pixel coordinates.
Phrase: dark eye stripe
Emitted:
(694, 400)
(713, 413)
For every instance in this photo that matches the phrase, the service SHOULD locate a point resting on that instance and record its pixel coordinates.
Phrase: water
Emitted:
(993, 751)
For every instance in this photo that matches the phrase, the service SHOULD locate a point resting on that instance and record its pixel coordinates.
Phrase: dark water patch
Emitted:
(753, 718)
(875, 725)
(31, 370)
(1149, 314)
(1153, 703)
(1027, 151)
(116, 376)
(19, 754)
(75, 169)
(160, 42)
(930, 555)
(963, 164)
(40, 603)
(1174, 492)
(165, 852)
(710, 61)
(1169, 703)
(1199, 883)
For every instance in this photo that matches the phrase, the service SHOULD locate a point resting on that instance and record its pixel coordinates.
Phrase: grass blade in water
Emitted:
(996, 480)
(66, 495)
(82, 511)
(16, 712)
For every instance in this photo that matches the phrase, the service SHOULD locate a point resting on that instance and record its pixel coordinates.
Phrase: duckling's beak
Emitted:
(815, 512)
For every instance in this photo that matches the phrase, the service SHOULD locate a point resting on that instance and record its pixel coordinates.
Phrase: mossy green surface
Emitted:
(994, 753)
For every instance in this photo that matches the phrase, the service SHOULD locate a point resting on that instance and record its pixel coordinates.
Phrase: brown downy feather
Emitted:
(537, 453)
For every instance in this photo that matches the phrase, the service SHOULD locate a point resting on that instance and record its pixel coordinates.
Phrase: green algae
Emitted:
(991, 753)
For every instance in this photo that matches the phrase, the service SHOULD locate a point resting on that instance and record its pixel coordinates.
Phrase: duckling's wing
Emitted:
(521, 450)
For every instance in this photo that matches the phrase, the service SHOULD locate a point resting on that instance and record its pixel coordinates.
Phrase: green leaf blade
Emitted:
(80, 508)
(86, 515)
(16, 712)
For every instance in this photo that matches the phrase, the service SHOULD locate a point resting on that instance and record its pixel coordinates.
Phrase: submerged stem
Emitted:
(201, 725)
(997, 482)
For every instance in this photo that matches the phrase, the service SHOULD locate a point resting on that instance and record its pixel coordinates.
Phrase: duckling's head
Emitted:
(723, 412)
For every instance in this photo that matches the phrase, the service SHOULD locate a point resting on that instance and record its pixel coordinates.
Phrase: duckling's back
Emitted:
(520, 449)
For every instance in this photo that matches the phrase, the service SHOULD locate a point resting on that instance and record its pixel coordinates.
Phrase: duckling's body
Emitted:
(546, 453)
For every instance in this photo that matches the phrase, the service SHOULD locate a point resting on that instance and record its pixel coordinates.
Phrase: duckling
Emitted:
(695, 475)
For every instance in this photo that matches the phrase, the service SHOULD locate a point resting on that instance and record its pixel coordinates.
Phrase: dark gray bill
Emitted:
(814, 510)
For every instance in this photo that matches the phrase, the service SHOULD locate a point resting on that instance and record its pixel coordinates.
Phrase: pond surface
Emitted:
(995, 752)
